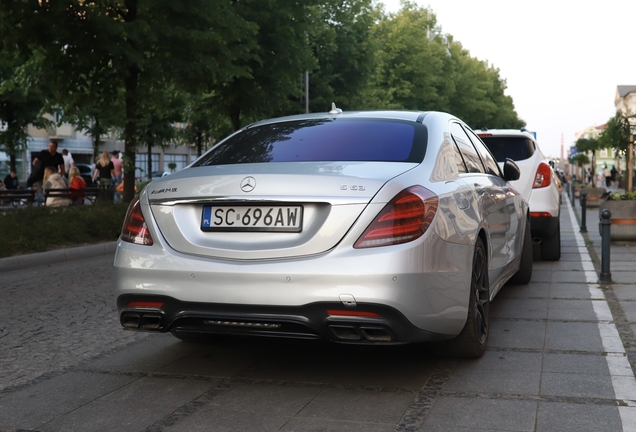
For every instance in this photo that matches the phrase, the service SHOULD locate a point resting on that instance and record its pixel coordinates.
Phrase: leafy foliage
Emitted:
(621, 196)
(580, 159)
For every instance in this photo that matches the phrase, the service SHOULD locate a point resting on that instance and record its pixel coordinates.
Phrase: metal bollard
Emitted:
(605, 226)
(583, 211)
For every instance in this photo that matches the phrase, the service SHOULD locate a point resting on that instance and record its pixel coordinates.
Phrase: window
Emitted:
(603, 153)
(322, 140)
(141, 164)
(178, 160)
(502, 147)
(486, 157)
(471, 158)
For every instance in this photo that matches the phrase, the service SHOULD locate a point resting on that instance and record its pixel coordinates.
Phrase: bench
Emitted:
(89, 193)
(17, 196)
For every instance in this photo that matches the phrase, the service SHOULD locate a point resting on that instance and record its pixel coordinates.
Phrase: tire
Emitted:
(551, 246)
(472, 341)
(193, 337)
(524, 274)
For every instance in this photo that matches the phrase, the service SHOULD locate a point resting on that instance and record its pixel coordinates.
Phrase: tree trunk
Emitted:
(96, 136)
(235, 118)
(131, 82)
(12, 162)
(150, 143)
(199, 143)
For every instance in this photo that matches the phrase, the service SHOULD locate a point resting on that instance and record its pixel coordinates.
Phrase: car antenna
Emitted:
(334, 110)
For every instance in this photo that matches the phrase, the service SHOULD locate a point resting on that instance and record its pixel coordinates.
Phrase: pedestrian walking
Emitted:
(608, 176)
(68, 161)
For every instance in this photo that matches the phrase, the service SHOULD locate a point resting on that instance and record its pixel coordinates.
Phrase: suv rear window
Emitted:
(515, 148)
(322, 140)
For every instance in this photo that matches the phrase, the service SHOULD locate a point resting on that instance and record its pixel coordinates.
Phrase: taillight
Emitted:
(135, 229)
(405, 218)
(543, 177)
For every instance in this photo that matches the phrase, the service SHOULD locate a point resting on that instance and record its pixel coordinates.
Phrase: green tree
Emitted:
(112, 43)
(592, 144)
(579, 160)
(340, 42)
(417, 67)
(617, 135)
(20, 106)
(203, 125)
(279, 56)
(411, 67)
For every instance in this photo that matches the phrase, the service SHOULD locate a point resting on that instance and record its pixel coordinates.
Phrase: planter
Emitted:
(577, 189)
(623, 218)
(594, 196)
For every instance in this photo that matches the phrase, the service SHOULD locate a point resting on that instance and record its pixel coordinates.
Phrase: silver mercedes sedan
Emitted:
(381, 227)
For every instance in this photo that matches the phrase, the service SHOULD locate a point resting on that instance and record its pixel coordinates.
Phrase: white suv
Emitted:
(538, 184)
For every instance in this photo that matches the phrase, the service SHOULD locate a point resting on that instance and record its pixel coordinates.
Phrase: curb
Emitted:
(56, 256)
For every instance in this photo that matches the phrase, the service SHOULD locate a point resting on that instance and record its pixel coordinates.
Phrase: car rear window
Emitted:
(515, 148)
(322, 140)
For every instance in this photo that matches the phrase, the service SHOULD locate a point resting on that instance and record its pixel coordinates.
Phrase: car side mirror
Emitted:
(511, 170)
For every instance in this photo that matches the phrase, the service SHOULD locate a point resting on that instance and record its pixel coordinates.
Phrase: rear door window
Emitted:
(471, 158)
(515, 148)
(486, 157)
(322, 140)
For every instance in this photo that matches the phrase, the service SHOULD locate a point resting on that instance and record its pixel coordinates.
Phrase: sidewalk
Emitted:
(561, 350)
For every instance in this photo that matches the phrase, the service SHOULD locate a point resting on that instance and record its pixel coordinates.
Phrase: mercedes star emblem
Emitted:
(248, 184)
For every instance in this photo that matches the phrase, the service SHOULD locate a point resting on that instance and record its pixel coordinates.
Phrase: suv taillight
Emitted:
(405, 218)
(543, 177)
(135, 229)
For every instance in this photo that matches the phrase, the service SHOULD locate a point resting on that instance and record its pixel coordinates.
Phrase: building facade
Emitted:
(80, 146)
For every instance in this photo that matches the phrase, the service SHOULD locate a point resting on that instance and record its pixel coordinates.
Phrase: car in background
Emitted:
(539, 184)
(159, 174)
(86, 172)
(383, 227)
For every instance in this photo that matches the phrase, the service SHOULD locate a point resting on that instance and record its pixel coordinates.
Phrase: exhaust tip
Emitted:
(376, 334)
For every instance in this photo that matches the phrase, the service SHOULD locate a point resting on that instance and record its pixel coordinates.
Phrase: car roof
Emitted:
(415, 116)
(505, 132)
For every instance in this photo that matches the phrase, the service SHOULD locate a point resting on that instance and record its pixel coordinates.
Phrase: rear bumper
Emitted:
(311, 321)
(544, 227)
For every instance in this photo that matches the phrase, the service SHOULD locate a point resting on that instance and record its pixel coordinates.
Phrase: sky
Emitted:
(562, 59)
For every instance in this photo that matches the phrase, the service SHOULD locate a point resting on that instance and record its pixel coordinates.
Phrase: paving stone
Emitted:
(360, 406)
(50, 398)
(520, 308)
(477, 414)
(494, 382)
(575, 364)
(573, 336)
(134, 407)
(562, 417)
(577, 385)
(517, 334)
(571, 310)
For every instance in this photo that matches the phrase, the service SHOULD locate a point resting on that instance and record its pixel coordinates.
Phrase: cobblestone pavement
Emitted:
(55, 316)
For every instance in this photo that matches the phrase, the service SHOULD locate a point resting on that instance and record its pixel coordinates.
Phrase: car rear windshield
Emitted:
(515, 148)
(322, 140)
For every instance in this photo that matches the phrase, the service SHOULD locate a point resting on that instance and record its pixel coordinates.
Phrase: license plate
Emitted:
(252, 218)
